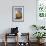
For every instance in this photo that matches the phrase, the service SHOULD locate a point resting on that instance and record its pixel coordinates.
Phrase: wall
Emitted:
(6, 15)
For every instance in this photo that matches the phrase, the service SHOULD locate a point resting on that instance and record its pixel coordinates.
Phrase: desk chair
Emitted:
(14, 32)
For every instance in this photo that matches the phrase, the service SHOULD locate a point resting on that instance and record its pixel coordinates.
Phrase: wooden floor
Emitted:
(13, 44)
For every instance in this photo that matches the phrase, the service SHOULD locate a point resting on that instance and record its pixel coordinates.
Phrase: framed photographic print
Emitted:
(17, 13)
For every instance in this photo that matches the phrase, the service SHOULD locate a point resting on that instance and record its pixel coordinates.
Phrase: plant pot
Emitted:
(42, 40)
(38, 40)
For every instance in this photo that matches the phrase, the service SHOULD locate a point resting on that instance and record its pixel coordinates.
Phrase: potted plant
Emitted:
(38, 27)
(39, 35)
(35, 26)
(42, 27)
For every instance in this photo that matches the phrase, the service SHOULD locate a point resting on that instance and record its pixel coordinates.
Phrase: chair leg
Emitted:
(5, 40)
(5, 43)
(17, 39)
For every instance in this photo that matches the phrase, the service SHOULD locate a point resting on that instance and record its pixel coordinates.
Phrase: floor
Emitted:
(13, 44)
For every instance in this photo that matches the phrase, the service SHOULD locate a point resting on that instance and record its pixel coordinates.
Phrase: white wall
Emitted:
(6, 15)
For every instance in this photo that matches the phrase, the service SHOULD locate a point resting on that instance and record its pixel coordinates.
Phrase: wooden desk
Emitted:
(8, 34)
(17, 43)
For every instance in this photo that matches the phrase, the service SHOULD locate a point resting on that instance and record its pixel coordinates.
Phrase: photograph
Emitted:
(17, 13)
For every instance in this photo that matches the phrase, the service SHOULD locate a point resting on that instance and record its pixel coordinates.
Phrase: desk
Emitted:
(8, 34)
(27, 43)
